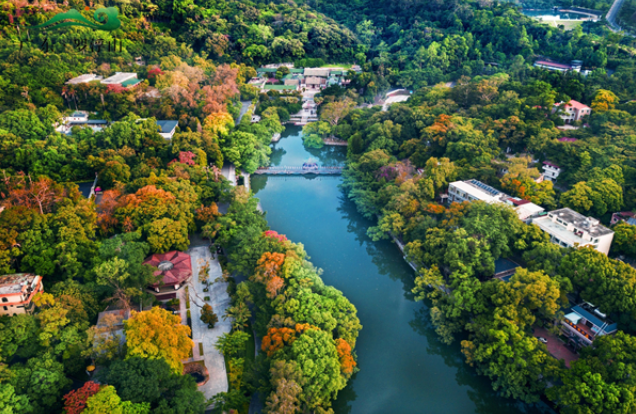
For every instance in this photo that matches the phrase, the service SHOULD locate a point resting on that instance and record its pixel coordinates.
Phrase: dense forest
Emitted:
(194, 59)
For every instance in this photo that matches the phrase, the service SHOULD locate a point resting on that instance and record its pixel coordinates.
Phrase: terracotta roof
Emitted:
(176, 274)
(553, 64)
(574, 104)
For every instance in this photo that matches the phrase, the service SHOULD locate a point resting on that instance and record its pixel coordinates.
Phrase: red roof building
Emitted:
(174, 267)
(572, 111)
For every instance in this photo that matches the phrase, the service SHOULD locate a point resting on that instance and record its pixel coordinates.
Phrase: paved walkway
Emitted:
(245, 105)
(556, 347)
(229, 172)
(220, 301)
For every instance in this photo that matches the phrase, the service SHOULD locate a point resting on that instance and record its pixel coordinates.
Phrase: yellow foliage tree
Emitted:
(158, 333)
(604, 100)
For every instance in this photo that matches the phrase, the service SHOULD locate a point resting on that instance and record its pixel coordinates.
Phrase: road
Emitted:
(611, 17)
(245, 105)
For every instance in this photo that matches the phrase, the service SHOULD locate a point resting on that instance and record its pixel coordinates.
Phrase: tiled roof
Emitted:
(551, 164)
(181, 267)
(552, 64)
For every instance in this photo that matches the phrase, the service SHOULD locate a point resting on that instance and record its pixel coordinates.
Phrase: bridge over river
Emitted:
(287, 170)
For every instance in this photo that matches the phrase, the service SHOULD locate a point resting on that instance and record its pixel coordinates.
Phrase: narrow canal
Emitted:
(404, 368)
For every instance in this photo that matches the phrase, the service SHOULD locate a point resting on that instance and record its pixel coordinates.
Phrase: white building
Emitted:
(120, 78)
(567, 228)
(471, 190)
(88, 77)
(17, 292)
(571, 111)
(551, 171)
(167, 128)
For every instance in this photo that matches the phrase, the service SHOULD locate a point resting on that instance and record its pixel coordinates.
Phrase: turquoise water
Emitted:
(404, 369)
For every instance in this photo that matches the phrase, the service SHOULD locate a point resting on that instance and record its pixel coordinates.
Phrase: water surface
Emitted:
(403, 367)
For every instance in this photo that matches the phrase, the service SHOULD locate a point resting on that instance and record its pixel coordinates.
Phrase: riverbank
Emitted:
(403, 365)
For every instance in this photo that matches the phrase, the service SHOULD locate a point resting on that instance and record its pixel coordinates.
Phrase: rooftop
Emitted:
(593, 315)
(16, 283)
(551, 164)
(174, 267)
(317, 72)
(481, 191)
(504, 265)
(166, 127)
(578, 221)
(119, 77)
(130, 82)
(545, 62)
(87, 77)
(573, 104)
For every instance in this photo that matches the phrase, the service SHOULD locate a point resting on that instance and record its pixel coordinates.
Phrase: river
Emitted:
(404, 368)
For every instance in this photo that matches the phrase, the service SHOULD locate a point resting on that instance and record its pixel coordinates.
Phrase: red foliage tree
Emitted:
(75, 401)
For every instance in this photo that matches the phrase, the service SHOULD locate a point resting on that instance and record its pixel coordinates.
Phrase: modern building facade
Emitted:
(472, 190)
(583, 323)
(567, 228)
(551, 171)
(17, 292)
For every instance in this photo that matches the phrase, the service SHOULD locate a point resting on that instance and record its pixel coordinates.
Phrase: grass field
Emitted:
(567, 24)
(337, 65)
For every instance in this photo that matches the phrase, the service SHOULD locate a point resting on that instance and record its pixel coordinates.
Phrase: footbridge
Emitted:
(291, 170)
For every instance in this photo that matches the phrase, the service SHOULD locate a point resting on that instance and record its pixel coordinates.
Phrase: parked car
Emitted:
(542, 340)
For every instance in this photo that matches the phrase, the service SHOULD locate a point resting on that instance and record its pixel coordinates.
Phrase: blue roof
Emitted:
(503, 265)
(166, 127)
(85, 188)
(594, 319)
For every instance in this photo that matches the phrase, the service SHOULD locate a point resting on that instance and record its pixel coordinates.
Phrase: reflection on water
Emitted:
(404, 367)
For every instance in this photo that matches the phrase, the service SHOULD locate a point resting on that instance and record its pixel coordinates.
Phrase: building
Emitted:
(316, 72)
(548, 64)
(124, 79)
(525, 210)
(551, 171)
(567, 228)
(627, 216)
(167, 128)
(571, 111)
(583, 323)
(471, 190)
(17, 292)
(82, 122)
(173, 270)
(88, 77)
(315, 82)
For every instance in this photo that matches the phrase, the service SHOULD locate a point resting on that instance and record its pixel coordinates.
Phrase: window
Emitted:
(4, 300)
(5, 308)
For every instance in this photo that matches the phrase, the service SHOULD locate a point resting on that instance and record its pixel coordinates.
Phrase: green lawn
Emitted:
(338, 65)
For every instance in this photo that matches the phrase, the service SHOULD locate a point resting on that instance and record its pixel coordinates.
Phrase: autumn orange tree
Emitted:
(347, 363)
(158, 333)
(267, 273)
(276, 339)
